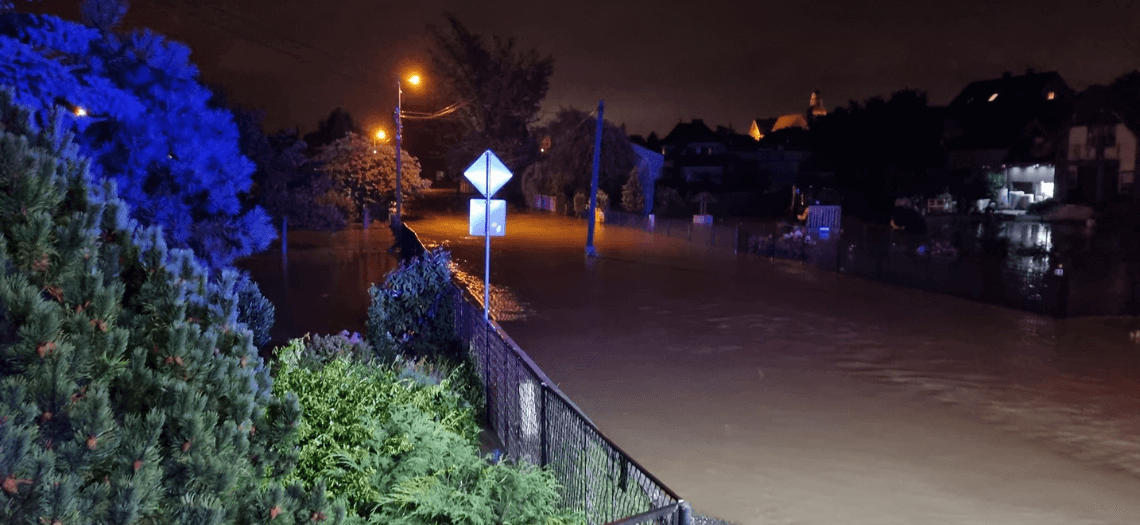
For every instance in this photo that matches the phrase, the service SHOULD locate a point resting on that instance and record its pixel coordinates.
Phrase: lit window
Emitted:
(1051, 95)
(992, 97)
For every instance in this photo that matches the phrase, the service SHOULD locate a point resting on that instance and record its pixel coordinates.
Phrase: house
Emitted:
(1099, 157)
(696, 152)
(761, 127)
(1010, 126)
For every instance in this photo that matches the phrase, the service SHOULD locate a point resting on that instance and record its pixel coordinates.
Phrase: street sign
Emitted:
(488, 174)
(476, 225)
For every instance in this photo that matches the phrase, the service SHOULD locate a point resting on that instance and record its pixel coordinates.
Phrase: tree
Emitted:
(364, 173)
(337, 126)
(286, 183)
(142, 117)
(632, 195)
(501, 88)
(129, 391)
(567, 166)
(882, 148)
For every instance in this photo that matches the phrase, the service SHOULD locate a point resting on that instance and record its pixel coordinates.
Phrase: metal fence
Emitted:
(717, 236)
(535, 421)
(970, 269)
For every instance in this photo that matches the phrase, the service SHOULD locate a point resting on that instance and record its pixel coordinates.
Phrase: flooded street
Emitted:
(767, 392)
(322, 286)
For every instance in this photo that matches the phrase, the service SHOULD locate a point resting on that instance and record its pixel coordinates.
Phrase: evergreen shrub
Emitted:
(129, 391)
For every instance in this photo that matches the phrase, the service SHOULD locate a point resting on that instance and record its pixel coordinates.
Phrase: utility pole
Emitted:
(399, 166)
(593, 213)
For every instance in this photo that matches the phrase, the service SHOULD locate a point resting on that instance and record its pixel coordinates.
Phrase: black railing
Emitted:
(535, 421)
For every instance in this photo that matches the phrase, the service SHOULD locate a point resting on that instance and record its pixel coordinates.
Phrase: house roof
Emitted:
(794, 120)
(1012, 90)
(689, 132)
(995, 113)
(764, 125)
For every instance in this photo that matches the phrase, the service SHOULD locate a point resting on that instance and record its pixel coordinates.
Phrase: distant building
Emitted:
(696, 152)
(1010, 126)
(761, 127)
(1098, 160)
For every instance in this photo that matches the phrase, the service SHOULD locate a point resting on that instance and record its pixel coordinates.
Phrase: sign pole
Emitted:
(487, 236)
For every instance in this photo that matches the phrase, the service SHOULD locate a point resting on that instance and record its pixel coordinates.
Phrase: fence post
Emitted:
(684, 513)
(542, 425)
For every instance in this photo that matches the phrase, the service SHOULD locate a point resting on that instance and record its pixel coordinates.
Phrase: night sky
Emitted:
(654, 62)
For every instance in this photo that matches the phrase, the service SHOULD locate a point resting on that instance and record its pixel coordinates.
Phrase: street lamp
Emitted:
(414, 80)
(381, 135)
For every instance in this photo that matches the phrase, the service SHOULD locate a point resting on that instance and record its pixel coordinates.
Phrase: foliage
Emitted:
(338, 125)
(502, 88)
(364, 172)
(428, 474)
(129, 391)
(668, 201)
(315, 351)
(632, 195)
(146, 123)
(882, 148)
(412, 314)
(567, 166)
(341, 401)
(581, 203)
(286, 183)
(254, 310)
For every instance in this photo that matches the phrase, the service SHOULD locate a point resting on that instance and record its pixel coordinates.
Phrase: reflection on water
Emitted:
(321, 287)
(505, 305)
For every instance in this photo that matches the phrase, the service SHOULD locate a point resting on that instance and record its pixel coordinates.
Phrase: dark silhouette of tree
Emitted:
(567, 166)
(882, 149)
(337, 126)
(501, 87)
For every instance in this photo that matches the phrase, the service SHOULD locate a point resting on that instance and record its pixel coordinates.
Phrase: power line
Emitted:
(264, 44)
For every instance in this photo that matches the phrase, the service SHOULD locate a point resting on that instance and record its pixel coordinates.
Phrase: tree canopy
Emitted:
(140, 113)
(501, 87)
(567, 166)
(364, 172)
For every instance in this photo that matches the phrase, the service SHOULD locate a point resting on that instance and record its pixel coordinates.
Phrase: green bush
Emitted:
(426, 474)
(315, 351)
(412, 313)
(254, 310)
(129, 391)
(339, 398)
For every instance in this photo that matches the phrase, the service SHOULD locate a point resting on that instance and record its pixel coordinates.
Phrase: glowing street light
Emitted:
(80, 111)
(413, 79)
(381, 135)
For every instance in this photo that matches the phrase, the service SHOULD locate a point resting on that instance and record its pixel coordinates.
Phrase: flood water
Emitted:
(769, 392)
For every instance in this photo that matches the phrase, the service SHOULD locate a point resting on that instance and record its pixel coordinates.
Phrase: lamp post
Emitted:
(414, 80)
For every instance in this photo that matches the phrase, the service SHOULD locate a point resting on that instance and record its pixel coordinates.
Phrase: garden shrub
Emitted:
(254, 310)
(423, 473)
(339, 398)
(412, 313)
(129, 391)
(315, 351)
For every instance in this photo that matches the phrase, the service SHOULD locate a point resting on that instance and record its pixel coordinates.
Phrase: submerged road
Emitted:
(768, 393)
